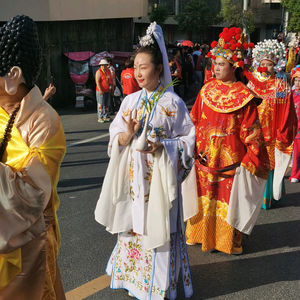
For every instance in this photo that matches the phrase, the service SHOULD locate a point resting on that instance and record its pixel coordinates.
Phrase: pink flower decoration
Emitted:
(134, 253)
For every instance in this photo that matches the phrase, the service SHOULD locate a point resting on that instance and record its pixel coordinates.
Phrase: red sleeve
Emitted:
(196, 110)
(286, 125)
(256, 160)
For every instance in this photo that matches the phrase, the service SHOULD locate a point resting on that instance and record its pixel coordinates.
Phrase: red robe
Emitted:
(295, 173)
(278, 118)
(228, 133)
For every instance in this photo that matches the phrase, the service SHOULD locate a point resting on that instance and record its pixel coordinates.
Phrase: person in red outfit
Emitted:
(232, 163)
(295, 95)
(103, 80)
(128, 81)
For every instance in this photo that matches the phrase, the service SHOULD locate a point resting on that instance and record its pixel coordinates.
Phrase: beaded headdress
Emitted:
(295, 72)
(231, 46)
(269, 50)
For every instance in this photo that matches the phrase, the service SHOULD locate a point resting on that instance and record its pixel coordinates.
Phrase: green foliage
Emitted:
(159, 14)
(293, 7)
(232, 12)
(197, 16)
(157, 95)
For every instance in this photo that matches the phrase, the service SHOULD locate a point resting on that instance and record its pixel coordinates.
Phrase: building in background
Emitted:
(73, 26)
(268, 14)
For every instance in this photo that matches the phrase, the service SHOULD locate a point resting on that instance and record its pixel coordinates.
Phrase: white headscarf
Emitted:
(156, 31)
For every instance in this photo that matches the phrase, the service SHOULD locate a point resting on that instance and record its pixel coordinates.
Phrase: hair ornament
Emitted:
(295, 72)
(148, 39)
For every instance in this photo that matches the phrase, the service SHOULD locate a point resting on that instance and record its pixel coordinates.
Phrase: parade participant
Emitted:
(32, 148)
(276, 113)
(295, 94)
(232, 165)
(141, 198)
(103, 80)
(129, 83)
(291, 60)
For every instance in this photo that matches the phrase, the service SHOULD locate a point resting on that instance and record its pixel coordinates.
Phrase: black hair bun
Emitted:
(19, 46)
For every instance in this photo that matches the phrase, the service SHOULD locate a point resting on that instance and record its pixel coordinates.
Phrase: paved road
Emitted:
(268, 268)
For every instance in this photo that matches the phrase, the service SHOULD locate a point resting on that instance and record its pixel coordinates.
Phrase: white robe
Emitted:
(148, 272)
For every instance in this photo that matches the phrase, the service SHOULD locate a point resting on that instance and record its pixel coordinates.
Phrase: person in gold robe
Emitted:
(32, 146)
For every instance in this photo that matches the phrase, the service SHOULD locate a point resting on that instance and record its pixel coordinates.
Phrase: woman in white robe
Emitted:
(141, 195)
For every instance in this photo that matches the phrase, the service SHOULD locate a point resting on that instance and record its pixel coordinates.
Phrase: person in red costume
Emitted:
(295, 173)
(276, 113)
(232, 163)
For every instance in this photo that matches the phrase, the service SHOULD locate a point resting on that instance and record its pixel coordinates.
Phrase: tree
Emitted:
(293, 7)
(159, 14)
(197, 16)
(232, 12)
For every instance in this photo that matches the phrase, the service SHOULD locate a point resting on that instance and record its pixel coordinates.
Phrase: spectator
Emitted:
(128, 81)
(190, 53)
(199, 70)
(103, 82)
(274, 34)
(176, 55)
(197, 51)
(280, 37)
(187, 73)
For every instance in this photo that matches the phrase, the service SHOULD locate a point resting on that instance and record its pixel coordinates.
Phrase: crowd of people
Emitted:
(190, 65)
(214, 167)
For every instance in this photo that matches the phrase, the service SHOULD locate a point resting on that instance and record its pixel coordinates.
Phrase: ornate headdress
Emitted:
(269, 50)
(230, 46)
(154, 34)
(295, 72)
(148, 40)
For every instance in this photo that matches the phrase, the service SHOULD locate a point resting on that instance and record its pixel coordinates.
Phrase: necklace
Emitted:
(297, 92)
(7, 132)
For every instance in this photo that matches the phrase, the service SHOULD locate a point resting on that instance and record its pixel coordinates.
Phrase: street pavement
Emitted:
(267, 269)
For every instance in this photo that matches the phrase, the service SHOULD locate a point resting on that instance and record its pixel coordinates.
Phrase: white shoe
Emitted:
(294, 180)
(237, 253)
(129, 294)
(190, 243)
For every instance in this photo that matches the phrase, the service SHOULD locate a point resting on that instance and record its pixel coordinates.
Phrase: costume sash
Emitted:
(17, 156)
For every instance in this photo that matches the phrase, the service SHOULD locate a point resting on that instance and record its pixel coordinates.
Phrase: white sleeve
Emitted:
(246, 199)
(281, 163)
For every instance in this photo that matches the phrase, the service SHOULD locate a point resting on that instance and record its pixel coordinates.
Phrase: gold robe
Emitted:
(29, 172)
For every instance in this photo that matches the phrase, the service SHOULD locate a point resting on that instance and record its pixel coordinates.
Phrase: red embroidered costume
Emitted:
(232, 165)
(276, 115)
(228, 133)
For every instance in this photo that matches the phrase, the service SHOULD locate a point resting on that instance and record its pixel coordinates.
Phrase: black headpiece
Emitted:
(19, 46)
